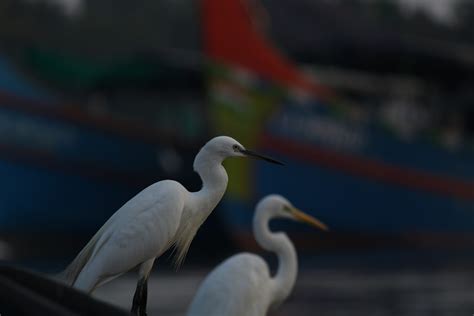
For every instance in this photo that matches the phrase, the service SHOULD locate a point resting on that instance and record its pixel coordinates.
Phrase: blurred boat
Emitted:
(366, 171)
(65, 168)
(367, 164)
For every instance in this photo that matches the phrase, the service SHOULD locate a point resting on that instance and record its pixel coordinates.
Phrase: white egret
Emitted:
(242, 285)
(164, 214)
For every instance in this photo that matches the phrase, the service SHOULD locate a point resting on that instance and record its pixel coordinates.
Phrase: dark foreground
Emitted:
(326, 292)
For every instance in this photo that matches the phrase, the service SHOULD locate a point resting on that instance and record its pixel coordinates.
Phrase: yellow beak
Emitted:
(305, 218)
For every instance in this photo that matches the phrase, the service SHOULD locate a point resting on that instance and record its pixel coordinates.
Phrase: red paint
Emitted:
(231, 36)
(78, 116)
(48, 161)
(372, 169)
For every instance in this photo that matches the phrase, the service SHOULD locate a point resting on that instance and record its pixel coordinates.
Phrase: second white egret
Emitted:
(164, 214)
(242, 285)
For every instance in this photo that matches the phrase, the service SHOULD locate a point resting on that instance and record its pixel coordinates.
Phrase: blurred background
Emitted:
(370, 103)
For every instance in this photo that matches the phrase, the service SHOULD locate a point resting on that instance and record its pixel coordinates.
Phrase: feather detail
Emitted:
(182, 243)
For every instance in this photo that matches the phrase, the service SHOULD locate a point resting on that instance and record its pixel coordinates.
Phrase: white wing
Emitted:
(237, 287)
(141, 229)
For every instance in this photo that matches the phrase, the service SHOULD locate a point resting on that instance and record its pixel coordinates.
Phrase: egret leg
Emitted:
(140, 298)
(141, 292)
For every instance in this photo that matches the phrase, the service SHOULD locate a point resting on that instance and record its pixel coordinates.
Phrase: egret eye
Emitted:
(287, 208)
(236, 148)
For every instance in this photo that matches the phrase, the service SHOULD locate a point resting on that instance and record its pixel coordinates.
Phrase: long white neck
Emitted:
(214, 179)
(279, 243)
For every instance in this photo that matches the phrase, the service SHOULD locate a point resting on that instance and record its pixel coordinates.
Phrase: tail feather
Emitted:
(72, 271)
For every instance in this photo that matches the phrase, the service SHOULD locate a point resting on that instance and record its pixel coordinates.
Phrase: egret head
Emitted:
(282, 208)
(224, 147)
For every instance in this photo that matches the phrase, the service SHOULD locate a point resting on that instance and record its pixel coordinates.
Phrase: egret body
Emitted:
(164, 214)
(242, 285)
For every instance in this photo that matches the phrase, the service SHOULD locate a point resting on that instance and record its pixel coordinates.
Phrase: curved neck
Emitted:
(285, 278)
(214, 178)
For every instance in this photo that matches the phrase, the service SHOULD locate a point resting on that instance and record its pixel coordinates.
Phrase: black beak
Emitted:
(255, 155)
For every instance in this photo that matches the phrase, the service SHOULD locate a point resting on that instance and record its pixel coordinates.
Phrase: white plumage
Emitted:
(242, 285)
(236, 287)
(164, 214)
